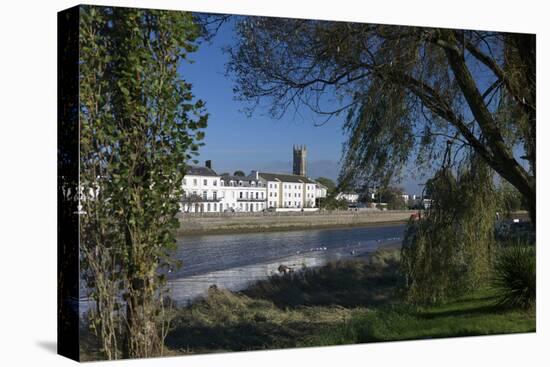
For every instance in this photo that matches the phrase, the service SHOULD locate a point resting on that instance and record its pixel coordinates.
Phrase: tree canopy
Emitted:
(327, 182)
(405, 92)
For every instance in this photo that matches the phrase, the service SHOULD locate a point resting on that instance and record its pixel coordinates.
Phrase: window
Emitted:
(184, 182)
(205, 182)
(257, 195)
(205, 195)
(215, 183)
(194, 182)
(208, 207)
(215, 207)
(240, 194)
(215, 196)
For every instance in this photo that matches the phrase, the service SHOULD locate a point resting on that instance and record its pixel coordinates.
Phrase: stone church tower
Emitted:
(299, 160)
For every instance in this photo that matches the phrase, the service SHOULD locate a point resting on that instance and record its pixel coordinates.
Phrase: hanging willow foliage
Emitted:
(447, 253)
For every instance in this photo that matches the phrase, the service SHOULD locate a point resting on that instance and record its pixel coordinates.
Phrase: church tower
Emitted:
(299, 160)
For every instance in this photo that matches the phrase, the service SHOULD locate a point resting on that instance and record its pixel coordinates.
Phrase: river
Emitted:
(233, 261)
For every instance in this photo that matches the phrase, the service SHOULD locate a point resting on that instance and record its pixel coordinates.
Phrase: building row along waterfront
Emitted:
(205, 191)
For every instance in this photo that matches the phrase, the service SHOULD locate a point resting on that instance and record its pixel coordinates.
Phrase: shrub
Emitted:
(514, 276)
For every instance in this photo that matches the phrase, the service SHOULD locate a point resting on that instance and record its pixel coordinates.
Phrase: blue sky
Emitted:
(235, 141)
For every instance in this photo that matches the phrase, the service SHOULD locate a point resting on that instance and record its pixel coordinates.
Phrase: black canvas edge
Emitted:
(67, 181)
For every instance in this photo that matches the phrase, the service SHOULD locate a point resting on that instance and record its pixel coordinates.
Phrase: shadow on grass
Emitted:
(470, 311)
(238, 337)
(355, 283)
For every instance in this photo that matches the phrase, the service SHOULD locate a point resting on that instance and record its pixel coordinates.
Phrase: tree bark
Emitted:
(502, 160)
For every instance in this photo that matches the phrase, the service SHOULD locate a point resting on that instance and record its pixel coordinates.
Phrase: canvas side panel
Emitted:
(67, 184)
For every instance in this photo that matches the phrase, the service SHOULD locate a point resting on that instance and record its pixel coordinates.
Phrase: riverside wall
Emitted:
(218, 223)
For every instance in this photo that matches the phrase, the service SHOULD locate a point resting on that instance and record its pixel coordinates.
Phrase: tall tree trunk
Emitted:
(501, 159)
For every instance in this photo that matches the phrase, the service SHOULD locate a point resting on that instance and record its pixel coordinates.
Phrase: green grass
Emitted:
(477, 314)
(344, 302)
(341, 303)
(227, 321)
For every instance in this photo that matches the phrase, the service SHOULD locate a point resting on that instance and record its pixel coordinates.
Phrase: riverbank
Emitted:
(343, 302)
(222, 223)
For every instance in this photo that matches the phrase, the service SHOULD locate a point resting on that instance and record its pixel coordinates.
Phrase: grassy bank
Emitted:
(340, 303)
(476, 314)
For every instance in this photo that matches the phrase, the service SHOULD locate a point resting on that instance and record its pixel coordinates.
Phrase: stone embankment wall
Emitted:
(215, 223)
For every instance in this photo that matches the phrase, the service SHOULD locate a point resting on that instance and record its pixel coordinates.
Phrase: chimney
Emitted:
(208, 164)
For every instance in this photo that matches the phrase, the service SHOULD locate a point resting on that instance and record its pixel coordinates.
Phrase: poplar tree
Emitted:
(139, 125)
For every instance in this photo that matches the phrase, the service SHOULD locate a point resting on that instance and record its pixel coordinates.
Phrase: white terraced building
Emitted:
(288, 191)
(207, 192)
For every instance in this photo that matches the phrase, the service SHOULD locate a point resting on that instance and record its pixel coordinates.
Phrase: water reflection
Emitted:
(233, 261)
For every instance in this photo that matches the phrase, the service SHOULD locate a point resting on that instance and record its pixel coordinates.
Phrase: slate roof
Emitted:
(245, 180)
(284, 177)
(200, 171)
(238, 178)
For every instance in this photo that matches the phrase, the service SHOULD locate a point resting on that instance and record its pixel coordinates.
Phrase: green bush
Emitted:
(514, 276)
(447, 253)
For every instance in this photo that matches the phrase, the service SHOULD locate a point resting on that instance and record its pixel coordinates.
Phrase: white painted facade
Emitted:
(243, 194)
(351, 197)
(288, 191)
(202, 192)
(207, 192)
(320, 191)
